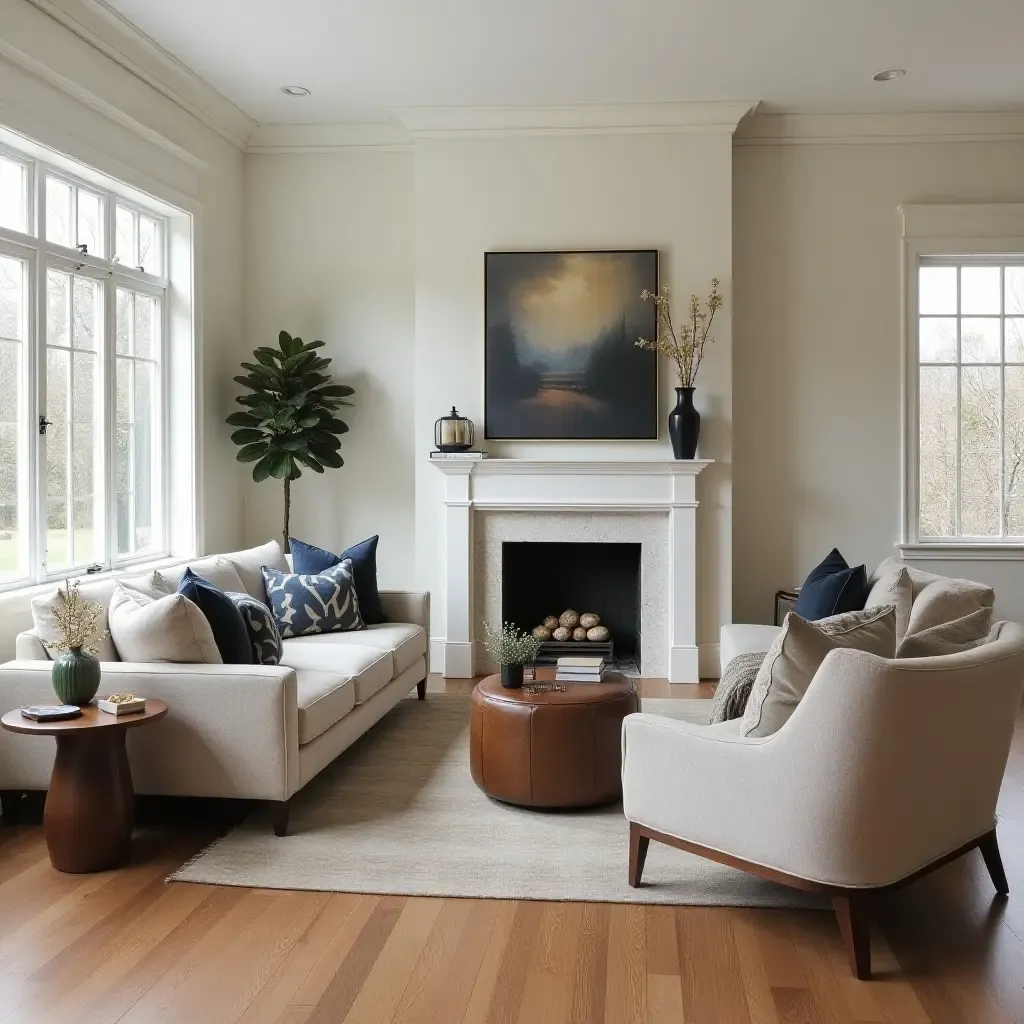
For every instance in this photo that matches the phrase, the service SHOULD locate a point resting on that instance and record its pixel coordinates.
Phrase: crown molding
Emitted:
(880, 129)
(581, 119)
(327, 138)
(113, 35)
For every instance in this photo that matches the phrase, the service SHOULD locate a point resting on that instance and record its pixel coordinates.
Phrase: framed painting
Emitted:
(560, 360)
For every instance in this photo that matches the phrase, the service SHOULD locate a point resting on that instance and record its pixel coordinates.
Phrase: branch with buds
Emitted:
(685, 345)
(76, 620)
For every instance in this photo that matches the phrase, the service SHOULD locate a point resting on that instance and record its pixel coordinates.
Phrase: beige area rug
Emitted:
(398, 813)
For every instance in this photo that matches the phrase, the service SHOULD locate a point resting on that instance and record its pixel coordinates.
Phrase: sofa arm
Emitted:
(231, 730)
(406, 606)
(28, 647)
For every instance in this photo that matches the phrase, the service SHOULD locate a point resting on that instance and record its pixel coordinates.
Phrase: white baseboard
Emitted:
(453, 660)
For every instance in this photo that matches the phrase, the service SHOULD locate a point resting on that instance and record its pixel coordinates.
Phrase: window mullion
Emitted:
(37, 389)
(109, 376)
(1002, 402)
(959, 403)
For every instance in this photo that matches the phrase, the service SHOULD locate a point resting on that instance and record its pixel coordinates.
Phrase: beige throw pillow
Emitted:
(946, 600)
(170, 628)
(249, 566)
(798, 651)
(948, 637)
(894, 587)
(99, 592)
(215, 569)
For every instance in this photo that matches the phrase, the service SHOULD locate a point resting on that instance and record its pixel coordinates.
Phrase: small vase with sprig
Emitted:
(685, 347)
(76, 673)
(511, 648)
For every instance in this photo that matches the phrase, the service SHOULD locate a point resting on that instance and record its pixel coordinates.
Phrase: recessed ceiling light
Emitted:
(294, 90)
(890, 75)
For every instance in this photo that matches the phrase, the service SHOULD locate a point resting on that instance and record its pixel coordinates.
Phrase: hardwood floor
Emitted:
(126, 946)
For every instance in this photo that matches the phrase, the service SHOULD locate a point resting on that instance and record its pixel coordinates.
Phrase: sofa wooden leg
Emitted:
(281, 809)
(638, 844)
(851, 913)
(10, 806)
(990, 851)
(421, 690)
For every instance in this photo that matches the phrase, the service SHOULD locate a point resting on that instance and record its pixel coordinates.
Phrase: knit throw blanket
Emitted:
(730, 700)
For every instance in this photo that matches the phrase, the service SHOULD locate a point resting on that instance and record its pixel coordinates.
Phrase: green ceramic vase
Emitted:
(76, 677)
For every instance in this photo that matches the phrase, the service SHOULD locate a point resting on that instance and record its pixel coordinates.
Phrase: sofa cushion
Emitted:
(798, 651)
(99, 592)
(402, 639)
(324, 698)
(831, 588)
(249, 566)
(370, 669)
(215, 569)
(170, 628)
(308, 558)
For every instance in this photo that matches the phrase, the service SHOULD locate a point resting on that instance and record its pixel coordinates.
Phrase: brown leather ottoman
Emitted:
(557, 749)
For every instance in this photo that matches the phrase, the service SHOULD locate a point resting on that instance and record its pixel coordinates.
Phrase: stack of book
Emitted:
(572, 669)
(459, 456)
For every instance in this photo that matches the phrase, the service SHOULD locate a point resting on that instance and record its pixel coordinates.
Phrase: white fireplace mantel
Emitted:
(665, 486)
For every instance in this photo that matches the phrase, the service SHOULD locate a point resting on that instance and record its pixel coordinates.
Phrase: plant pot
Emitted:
(76, 677)
(684, 425)
(511, 676)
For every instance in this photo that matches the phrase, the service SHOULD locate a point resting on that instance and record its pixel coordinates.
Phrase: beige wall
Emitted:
(329, 249)
(817, 350)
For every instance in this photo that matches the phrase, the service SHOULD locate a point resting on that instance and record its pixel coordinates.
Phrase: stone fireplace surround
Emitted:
(491, 501)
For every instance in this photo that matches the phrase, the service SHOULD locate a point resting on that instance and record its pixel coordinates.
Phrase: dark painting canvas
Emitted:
(560, 355)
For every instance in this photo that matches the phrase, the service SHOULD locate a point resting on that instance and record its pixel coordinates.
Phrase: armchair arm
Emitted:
(231, 731)
(407, 606)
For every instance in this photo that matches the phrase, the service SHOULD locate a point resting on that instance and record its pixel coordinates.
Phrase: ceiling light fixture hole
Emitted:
(891, 75)
(294, 90)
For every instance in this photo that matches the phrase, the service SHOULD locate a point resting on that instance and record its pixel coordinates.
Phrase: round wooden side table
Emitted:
(554, 748)
(90, 805)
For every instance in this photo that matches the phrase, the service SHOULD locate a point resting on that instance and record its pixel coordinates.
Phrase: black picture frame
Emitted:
(560, 359)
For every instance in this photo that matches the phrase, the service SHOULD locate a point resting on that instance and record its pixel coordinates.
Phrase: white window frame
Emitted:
(175, 295)
(962, 234)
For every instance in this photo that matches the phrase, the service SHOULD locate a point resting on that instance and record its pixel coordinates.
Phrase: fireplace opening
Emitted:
(541, 579)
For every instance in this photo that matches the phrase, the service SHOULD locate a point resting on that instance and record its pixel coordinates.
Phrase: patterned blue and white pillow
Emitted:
(314, 604)
(264, 636)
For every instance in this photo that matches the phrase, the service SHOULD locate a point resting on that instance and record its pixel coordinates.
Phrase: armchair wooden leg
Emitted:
(990, 851)
(281, 809)
(638, 844)
(421, 690)
(851, 913)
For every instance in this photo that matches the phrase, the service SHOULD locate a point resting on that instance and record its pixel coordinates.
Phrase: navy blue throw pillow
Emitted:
(264, 637)
(309, 560)
(304, 604)
(832, 588)
(225, 619)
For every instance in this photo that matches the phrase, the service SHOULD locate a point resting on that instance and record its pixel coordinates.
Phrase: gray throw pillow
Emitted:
(733, 690)
(264, 636)
(306, 604)
(798, 651)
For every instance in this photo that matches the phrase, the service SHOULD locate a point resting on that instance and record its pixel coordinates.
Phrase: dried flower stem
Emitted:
(509, 646)
(685, 348)
(76, 622)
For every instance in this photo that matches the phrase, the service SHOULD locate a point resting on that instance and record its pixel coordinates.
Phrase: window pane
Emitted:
(124, 240)
(87, 313)
(13, 554)
(979, 451)
(1014, 291)
(936, 290)
(979, 290)
(90, 222)
(1014, 440)
(145, 454)
(58, 440)
(979, 339)
(83, 455)
(937, 339)
(1015, 340)
(123, 455)
(149, 246)
(124, 321)
(58, 307)
(146, 323)
(13, 195)
(938, 451)
(12, 299)
(58, 212)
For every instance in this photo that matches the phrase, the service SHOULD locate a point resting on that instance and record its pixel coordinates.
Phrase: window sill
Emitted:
(966, 552)
(18, 598)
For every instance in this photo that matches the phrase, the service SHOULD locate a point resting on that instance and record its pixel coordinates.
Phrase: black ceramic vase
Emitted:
(512, 676)
(684, 425)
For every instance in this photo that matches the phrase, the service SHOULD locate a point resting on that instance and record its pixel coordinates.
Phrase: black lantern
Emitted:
(453, 433)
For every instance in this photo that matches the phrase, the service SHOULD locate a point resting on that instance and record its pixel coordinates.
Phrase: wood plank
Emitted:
(547, 999)
(757, 988)
(664, 999)
(490, 964)
(626, 978)
(511, 980)
(588, 994)
(710, 966)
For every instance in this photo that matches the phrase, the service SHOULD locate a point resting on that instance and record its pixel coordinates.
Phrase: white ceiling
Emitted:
(360, 57)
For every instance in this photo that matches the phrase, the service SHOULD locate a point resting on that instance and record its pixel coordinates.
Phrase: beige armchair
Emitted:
(886, 771)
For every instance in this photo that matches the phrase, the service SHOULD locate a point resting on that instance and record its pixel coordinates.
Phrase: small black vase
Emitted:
(512, 676)
(684, 425)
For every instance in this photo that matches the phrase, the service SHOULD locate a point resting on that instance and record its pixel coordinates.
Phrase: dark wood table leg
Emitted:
(90, 808)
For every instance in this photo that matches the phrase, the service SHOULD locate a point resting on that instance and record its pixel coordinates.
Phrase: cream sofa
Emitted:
(247, 731)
